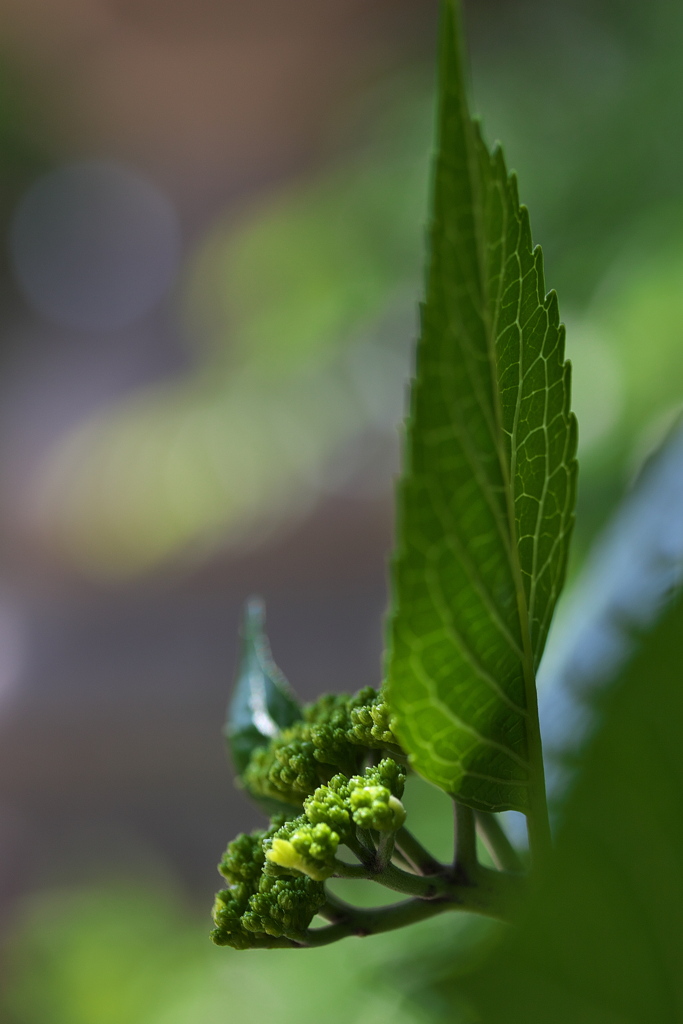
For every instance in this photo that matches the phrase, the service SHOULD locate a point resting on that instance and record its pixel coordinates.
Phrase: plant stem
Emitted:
(465, 841)
(495, 893)
(504, 855)
(412, 850)
(366, 841)
(363, 922)
(426, 887)
(361, 844)
(479, 889)
(344, 870)
(334, 909)
(385, 848)
(492, 894)
(538, 820)
(402, 862)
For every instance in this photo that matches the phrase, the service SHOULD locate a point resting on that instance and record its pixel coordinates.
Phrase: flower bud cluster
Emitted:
(258, 910)
(334, 735)
(309, 843)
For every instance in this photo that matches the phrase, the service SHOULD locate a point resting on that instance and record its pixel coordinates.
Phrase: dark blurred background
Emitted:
(213, 219)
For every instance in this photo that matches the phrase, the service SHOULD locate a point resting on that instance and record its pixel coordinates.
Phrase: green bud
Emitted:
(375, 807)
(310, 849)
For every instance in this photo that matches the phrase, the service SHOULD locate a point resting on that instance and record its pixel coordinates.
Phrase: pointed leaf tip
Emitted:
(263, 703)
(486, 503)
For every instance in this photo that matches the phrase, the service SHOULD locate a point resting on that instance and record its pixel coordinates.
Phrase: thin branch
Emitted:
(427, 888)
(385, 848)
(362, 922)
(503, 853)
(465, 841)
(479, 889)
(412, 851)
(344, 870)
(366, 839)
(335, 909)
(361, 844)
(401, 861)
(492, 894)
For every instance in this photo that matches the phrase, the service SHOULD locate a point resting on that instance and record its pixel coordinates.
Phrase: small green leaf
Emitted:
(601, 941)
(263, 703)
(486, 503)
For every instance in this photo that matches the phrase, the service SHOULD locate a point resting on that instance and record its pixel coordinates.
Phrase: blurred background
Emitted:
(213, 218)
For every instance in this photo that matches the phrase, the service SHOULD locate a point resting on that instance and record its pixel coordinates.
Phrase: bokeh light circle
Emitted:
(94, 245)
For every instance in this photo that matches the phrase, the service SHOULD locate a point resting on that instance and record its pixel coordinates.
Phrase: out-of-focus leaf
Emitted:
(634, 566)
(134, 954)
(263, 703)
(126, 952)
(320, 268)
(601, 942)
(487, 501)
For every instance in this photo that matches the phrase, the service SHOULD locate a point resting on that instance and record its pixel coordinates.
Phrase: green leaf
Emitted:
(487, 499)
(263, 703)
(602, 940)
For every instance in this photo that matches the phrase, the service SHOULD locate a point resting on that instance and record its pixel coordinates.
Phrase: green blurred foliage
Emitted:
(302, 310)
(302, 307)
(101, 957)
(601, 939)
(22, 158)
(601, 936)
(587, 99)
(133, 955)
(304, 272)
(21, 154)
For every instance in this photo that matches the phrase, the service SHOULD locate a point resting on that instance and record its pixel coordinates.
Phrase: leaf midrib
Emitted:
(531, 726)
